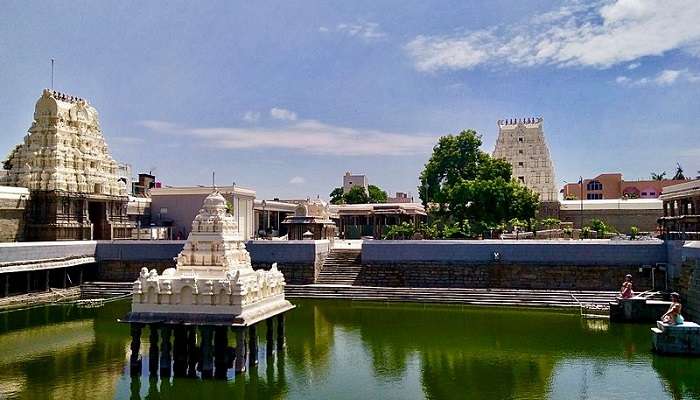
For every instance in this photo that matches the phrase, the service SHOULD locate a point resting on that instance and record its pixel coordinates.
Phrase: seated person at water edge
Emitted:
(626, 290)
(673, 315)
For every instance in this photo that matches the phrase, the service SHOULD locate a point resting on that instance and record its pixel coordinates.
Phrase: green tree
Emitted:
(376, 194)
(337, 196)
(470, 188)
(356, 195)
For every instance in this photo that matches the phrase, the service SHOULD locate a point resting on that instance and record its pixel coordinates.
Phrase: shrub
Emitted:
(585, 232)
(634, 231)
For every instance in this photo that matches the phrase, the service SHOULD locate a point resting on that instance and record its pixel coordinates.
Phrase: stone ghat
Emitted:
(556, 299)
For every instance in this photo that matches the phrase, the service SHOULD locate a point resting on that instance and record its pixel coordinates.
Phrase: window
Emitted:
(644, 193)
(521, 164)
(520, 139)
(164, 210)
(594, 185)
(594, 196)
(520, 152)
(521, 179)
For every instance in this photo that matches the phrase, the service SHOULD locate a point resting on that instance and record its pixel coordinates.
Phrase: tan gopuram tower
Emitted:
(74, 189)
(521, 142)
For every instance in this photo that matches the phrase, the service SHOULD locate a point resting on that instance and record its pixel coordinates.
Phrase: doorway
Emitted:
(97, 212)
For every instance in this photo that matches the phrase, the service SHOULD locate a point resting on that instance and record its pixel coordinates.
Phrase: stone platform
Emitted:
(681, 339)
(637, 310)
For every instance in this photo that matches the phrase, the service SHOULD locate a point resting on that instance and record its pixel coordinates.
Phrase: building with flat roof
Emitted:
(400, 197)
(521, 142)
(350, 181)
(681, 211)
(268, 216)
(176, 207)
(621, 214)
(611, 186)
(357, 220)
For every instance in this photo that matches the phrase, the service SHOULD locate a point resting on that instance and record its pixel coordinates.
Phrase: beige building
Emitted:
(176, 207)
(13, 201)
(350, 181)
(622, 214)
(521, 142)
(681, 211)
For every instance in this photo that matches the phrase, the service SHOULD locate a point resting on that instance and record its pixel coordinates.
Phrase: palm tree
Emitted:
(658, 177)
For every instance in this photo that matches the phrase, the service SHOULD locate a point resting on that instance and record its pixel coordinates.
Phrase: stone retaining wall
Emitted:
(535, 252)
(13, 202)
(515, 276)
(121, 260)
(690, 280)
(531, 264)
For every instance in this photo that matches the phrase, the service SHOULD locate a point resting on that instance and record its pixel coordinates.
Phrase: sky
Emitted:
(284, 97)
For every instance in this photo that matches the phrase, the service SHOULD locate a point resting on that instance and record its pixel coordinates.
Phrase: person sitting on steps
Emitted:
(626, 291)
(673, 315)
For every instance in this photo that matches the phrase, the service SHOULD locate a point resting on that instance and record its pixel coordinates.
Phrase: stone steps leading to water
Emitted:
(481, 297)
(491, 297)
(341, 267)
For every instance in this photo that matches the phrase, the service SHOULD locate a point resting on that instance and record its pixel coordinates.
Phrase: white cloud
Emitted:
(310, 136)
(365, 30)
(251, 116)
(664, 78)
(283, 114)
(596, 34)
(297, 180)
(633, 66)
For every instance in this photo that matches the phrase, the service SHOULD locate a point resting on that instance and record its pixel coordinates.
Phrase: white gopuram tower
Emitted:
(521, 142)
(213, 287)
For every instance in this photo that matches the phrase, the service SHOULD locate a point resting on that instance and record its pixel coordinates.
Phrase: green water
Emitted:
(345, 350)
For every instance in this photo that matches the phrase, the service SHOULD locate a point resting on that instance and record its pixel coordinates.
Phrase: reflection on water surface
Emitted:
(351, 350)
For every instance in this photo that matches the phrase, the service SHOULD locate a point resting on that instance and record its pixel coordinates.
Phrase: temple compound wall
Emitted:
(571, 265)
(521, 142)
(689, 285)
(13, 203)
(299, 261)
(75, 191)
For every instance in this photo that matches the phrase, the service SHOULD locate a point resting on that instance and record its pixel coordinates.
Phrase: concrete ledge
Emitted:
(539, 252)
(287, 252)
(33, 251)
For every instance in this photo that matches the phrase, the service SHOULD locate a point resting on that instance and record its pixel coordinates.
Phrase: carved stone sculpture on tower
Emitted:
(522, 143)
(213, 276)
(65, 163)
